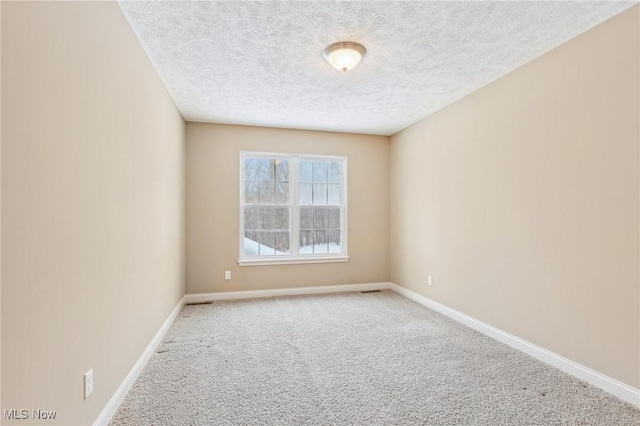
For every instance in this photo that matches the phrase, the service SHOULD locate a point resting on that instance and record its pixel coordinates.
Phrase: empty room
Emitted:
(320, 213)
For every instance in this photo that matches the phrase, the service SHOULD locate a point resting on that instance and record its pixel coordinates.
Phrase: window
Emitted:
(292, 209)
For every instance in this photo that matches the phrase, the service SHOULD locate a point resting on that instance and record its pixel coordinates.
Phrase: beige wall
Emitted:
(213, 157)
(0, 207)
(93, 201)
(522, 201)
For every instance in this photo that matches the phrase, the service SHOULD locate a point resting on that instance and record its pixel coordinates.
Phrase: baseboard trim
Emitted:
(114, 403)
(606, 383)
(257, 294)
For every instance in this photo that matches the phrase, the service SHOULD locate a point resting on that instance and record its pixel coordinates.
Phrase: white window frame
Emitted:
(294, 232)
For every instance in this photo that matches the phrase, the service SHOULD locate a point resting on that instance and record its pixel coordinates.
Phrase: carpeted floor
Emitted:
(350, 359)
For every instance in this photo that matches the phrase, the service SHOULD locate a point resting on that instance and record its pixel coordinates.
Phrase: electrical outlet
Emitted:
(88, 383)
(227, 275)
(430, 281)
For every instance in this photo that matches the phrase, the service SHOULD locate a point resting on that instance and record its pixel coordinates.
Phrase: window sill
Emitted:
(292, 261)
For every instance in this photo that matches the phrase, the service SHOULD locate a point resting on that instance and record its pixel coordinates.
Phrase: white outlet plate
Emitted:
(88, 383)
(227, 275)
(430, 281)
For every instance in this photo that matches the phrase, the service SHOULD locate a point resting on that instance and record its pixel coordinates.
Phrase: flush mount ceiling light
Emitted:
(344, 55)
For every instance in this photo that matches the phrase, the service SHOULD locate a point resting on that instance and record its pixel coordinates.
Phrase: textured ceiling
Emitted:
(260, 63)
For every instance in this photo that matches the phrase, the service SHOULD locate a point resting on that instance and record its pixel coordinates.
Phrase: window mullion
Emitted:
(294, 233)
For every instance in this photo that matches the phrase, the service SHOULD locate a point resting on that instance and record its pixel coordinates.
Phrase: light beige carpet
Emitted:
(350, 359)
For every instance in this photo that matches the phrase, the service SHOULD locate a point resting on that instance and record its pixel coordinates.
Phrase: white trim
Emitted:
(114, 403)
(606, 383)
(257, 294)
(291, 260)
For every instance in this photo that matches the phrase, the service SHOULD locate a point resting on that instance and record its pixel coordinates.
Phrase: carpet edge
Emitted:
(608, 384)
(296, 291)
(116, 399)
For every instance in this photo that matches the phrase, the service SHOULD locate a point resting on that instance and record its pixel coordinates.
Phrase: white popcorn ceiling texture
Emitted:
(260, 63)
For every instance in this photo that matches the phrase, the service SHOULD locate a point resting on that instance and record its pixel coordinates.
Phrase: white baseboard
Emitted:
(114, 403)
(256, 294)
(606, 383)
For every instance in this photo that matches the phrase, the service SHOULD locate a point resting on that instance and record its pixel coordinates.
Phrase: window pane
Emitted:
(251, 167)
(267, 218)
(306, 218)
(305, 193)
(319, 218)
(250, 192)
(267, 170)
(320, 242)
(267, 242)
(306, 171)
(251, 242)
(267, 192)
(282, 170)
(282, 219)
(334, 195)
(306, 242)
(282, 193)
(319, 172)
(335, 172)
(282, 243)
(251, 221)
(334, 219)
(333, 240)
(319, 194)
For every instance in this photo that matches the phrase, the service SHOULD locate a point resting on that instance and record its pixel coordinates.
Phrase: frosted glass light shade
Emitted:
(345, 55)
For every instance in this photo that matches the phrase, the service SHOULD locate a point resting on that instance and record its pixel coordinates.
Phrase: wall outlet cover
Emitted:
(88, 383)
